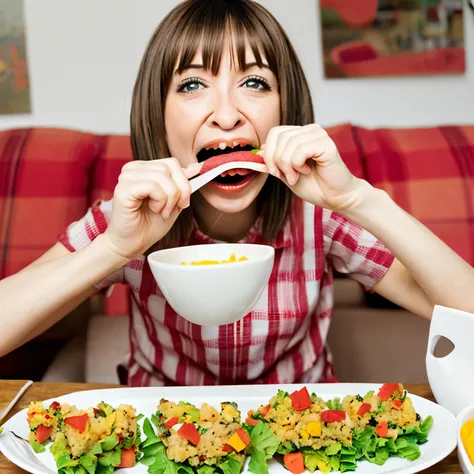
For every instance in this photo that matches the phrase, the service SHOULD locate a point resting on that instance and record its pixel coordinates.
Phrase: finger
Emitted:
(164, 181)
(132, 194)
(181, 181)
(302, 148)
(283, 155)
(172, 191)
(192, 170)
(270, 148)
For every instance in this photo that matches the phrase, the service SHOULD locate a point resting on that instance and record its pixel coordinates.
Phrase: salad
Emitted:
(195, 440)
(305, 432)
(93, 441)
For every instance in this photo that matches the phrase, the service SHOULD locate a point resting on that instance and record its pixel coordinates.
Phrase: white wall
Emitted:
(83, 58)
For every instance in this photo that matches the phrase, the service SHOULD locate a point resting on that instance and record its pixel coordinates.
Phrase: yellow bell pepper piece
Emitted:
(304, 434)
(323, 467)
(314, 428)
(236, 442)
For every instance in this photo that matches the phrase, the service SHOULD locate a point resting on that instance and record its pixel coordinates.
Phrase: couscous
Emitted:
(311, 433)
(98, 439)
(203, 440)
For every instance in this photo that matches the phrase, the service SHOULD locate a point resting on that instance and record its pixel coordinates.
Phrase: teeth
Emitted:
(222, 145)
(236, 144)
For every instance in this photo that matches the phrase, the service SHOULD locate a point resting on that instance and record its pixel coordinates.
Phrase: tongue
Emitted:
(237, 156)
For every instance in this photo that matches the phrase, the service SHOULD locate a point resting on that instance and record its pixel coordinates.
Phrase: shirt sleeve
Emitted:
(354, 251)
(82, 232)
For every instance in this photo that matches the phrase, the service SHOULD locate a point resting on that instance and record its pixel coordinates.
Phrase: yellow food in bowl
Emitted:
(232, 259)
(467, 437)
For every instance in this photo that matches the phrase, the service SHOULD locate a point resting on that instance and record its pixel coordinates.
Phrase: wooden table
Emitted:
(43, 391)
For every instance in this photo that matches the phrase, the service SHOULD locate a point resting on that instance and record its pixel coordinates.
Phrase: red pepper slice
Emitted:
(294, 462)
(387, 390)
(265, 411)
(54, 405)
(333, 416)
(128, 457)
(236, 156)
(227, 448)
(171, 422)
(382, 429)
(364, 408)
(300, 399)
(79, 422)
(397, 403)
(243, 435)
(190, 432)
(251, 421)
(43, 433)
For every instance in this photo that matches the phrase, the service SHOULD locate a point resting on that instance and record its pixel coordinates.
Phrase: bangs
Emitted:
(208, 26)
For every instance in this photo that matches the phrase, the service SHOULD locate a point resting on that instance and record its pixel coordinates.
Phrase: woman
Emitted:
(220, 75)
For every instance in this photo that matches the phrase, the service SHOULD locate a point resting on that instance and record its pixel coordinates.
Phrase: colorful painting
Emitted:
(14, 83)
(370, 38)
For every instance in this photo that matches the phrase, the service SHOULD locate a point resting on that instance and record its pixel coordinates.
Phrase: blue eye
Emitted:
(190, 85)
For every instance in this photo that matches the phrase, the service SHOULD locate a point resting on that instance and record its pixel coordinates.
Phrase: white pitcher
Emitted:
(452, 377)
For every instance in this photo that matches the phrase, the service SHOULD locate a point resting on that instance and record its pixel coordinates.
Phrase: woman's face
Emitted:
(214, 113)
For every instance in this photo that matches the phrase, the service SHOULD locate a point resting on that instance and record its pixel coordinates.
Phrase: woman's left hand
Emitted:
(307, 160)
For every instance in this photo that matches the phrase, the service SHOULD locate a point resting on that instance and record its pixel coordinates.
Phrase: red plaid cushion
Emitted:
(115, 151)
(44, 177)
(429, 173)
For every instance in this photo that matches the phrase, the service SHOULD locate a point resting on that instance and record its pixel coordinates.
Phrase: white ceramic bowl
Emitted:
(212, 295)
(465, 415)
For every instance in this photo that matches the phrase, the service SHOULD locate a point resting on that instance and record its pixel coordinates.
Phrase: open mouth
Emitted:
(230, 177)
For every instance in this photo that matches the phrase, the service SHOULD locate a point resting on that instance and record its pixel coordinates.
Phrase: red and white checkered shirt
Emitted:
(283, 339)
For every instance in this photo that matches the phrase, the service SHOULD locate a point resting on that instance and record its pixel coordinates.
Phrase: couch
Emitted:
(49, 177)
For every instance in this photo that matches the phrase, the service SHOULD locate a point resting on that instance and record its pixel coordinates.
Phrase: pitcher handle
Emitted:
(451, 324)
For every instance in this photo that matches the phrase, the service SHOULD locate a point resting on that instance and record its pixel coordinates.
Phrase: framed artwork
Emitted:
(372, 38)
(14, 82)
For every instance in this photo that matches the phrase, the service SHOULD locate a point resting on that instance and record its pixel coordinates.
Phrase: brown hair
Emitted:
(202, 25)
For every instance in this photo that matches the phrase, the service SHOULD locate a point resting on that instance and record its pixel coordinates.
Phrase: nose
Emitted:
(226, 115)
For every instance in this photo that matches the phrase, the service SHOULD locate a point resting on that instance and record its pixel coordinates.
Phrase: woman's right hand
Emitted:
(147, 200)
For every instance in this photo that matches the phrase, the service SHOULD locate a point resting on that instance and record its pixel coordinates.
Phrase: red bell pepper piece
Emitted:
(387, 390)
(397, 403)
(333, 416)
(43, 433)
(251, 421)
(294, 462)
(79, 422)
(364, 408)
(190, 432)
(265, 410)
(300, 399)
(128, 457)
(382, 429)
(243, 435)
(227, 448)
(236, 156)
(171, 422)
(54, 405)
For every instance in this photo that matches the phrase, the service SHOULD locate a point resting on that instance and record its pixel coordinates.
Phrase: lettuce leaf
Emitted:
(264, 446)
